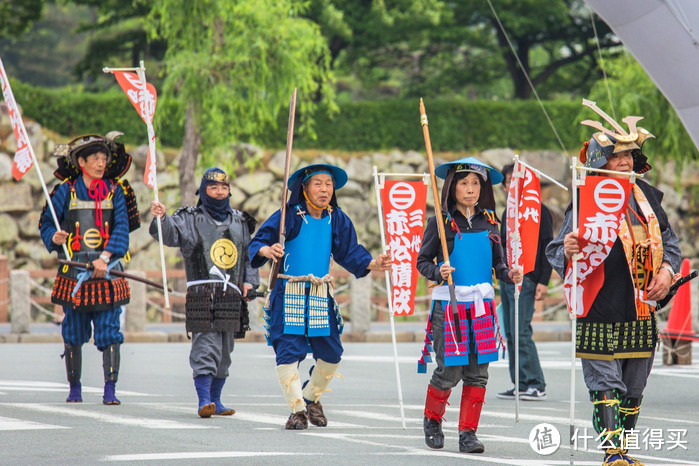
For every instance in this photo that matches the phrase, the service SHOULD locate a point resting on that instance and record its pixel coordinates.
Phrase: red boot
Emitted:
(472, 399)
(435, 405)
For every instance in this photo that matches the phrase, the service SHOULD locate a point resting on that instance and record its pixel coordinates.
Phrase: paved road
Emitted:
(157, 422)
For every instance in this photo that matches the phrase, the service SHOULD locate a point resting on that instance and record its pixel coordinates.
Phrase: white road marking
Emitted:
(32, 386)
(8, 423)
(198, 455)
(77, 411)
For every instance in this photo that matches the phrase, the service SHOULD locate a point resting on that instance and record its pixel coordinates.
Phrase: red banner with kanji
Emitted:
(403, 205)
(602, 201)
(23, 160)
(144, 101)
(523, 218)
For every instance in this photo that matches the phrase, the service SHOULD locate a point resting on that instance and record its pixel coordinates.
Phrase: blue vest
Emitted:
(309, 252)
(472, 257)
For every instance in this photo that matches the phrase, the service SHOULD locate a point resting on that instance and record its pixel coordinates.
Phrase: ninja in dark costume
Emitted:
(302, 315)
(465, 340)
(214, 241)
(96, 211)
(616, 339)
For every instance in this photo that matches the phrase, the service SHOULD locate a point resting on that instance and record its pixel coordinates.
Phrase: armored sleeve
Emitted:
(178, 230)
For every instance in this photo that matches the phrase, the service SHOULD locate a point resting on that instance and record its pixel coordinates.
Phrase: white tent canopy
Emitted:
(662, 36)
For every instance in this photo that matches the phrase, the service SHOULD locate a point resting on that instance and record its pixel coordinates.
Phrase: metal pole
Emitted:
(153, 157)
(516, 172)
(574, 308)
(389, 295)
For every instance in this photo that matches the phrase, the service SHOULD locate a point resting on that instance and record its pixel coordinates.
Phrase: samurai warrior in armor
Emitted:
(213, 239)
(464, 340)
(96, 210)
(302, 315)
(617, 337)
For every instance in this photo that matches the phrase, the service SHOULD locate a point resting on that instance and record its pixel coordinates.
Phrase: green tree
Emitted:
(117, 37)
(421, 47)
(17, 16)
(234, 64)
(634, 93)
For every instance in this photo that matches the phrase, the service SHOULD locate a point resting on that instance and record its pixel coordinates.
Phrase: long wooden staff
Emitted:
(438, 210)
(289, 142)
(116, 273)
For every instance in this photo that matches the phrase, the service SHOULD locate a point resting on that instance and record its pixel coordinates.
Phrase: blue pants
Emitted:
(76, 328)
(530, 373)
(293, 348)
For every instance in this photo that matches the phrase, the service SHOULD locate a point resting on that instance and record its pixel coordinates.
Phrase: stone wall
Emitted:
(259, 193)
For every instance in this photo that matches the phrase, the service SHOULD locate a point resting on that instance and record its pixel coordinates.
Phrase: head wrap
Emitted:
(217, 208)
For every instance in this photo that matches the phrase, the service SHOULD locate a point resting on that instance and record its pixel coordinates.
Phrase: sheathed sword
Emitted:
(673, 289)
(438, 217)
(282, 220)
(116, 273)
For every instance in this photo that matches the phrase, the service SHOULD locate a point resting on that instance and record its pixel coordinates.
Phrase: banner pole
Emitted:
(574, 309)
(516, 256)
(10, 101)
(153, 158)
(389, 298)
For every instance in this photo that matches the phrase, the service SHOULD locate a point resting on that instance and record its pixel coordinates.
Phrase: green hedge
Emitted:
(455, 125)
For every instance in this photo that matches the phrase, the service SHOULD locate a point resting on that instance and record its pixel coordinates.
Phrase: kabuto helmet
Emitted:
(596, 151)
(118, 161)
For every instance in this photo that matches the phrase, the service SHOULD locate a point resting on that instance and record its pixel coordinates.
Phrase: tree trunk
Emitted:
(188, 159)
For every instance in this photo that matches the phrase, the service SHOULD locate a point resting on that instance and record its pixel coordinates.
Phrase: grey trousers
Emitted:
(447, 377)
(629, 376)
(211, 353)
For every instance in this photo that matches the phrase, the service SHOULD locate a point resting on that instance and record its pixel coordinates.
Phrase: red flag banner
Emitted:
(525, 205)
(603, 201)
(144, 102)
(23, 160)
(403, 206)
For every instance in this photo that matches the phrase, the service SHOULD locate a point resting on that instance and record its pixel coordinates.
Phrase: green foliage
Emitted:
(236, 62)
(17, 16)
(455, 125)
(45, 55)
(71, 113)
(634, 93)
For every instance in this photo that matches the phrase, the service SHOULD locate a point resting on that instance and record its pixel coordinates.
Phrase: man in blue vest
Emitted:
(302, 312)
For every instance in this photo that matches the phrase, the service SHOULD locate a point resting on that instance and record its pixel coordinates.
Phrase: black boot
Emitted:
(434, 437)
(110, 364)
(469, 443)
(629, 411)
(74, 360)
(606, 421)
(605, 416)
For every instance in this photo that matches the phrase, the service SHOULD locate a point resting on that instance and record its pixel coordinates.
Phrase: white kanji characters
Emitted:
(400, 248)
(532, 212)
(402, 274)
(397, 222)
(401, 300)
(23, 159)
(601, 228)
(417, 218)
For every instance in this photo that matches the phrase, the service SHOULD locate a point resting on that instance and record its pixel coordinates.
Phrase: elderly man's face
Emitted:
(620, 162)
(319, 189)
